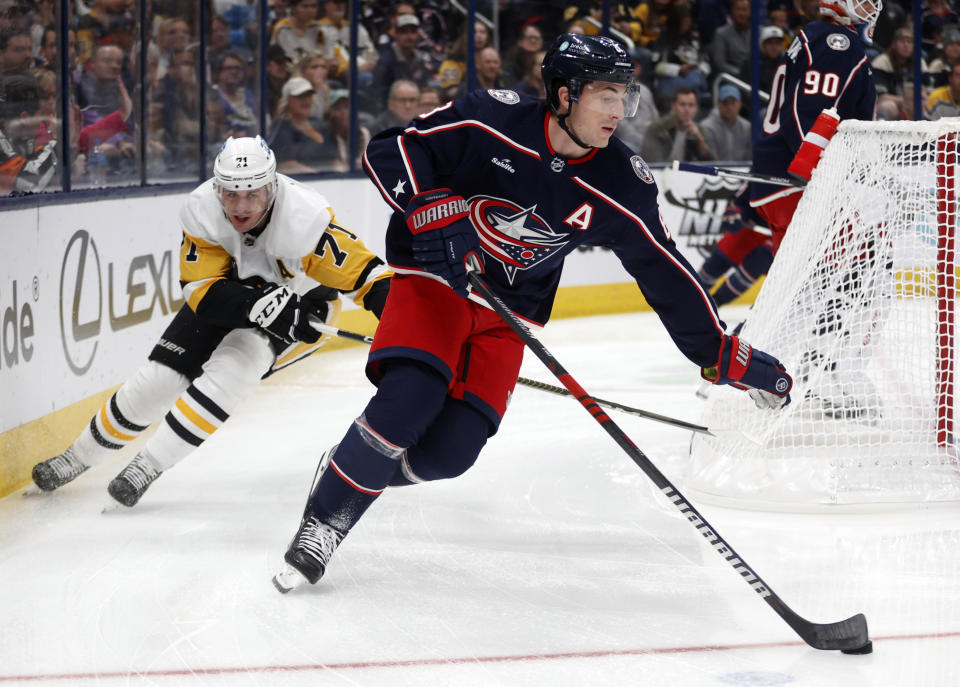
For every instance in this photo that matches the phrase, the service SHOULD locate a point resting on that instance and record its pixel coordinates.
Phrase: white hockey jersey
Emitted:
(301, 247)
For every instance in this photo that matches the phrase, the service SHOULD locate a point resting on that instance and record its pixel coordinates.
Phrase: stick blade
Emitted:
(849, 636)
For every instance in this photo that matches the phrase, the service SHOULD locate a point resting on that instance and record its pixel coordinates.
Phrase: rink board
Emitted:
(87, 288)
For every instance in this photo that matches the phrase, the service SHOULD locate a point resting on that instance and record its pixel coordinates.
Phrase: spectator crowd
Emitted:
(691, 57)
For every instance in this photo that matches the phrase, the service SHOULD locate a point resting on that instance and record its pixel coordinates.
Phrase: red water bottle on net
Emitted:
(808, 156)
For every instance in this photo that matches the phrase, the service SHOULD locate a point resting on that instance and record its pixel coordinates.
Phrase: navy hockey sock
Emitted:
(754, 266)
(407, 401)
(448, 449)
(714, 267)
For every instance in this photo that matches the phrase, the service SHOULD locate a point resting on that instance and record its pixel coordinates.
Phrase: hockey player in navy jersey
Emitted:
(825, 67)
(260, 256)
(518, 183)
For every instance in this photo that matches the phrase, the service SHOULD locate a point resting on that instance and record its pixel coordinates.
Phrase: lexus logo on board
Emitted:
(85, 296)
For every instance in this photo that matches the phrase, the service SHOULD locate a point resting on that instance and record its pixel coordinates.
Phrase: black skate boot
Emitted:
(133, 480)
(54, 473)
(308, 554)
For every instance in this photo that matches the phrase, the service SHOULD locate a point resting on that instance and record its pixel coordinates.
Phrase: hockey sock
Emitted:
(359, 470)
(448, 448)
(408, 400)
(138, 403)
(232, 373)
(190, 422)
(752, 268)
(732, 288)
(714, 267)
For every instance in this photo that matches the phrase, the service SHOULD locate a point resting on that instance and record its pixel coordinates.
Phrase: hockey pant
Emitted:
(411, 431)
(197, 375)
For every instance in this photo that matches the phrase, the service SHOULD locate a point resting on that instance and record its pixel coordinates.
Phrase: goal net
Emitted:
(860, 306)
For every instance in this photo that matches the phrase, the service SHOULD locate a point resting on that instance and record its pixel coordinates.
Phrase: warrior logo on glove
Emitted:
(759, 373)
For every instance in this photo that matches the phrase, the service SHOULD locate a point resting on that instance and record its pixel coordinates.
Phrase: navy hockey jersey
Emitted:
(825, 66)
(531, 207)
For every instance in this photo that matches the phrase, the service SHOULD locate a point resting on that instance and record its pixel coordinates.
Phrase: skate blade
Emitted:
(288, 579)
(33, 490)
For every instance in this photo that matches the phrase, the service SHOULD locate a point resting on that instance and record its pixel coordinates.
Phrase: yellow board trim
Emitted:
(24, 446)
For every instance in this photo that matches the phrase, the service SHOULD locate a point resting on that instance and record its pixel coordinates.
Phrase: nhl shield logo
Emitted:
(557, 164)
(641, 170)
(504, 96)
(516, 237)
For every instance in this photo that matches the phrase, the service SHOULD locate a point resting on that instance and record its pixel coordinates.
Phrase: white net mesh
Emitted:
(859, 306)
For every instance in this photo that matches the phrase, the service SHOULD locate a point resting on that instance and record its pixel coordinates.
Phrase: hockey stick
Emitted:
(542, 386)
(849, 636)
(734, 174)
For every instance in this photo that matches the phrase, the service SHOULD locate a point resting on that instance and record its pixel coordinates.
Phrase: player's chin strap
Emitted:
(562, 121)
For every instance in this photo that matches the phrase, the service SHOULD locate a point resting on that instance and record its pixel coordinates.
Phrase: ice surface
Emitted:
(551, 562)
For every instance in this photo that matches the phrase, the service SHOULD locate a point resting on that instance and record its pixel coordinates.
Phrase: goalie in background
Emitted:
(260, 256)
(825, 68)
(745, 248)
(542, 178)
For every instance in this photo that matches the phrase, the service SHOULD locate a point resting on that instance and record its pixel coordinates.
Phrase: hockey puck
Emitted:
(865, 649)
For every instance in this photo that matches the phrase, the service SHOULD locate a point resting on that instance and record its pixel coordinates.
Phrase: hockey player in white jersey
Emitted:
(261, 256)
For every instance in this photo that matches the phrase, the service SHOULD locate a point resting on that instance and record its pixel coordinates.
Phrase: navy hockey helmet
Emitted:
(574, 60)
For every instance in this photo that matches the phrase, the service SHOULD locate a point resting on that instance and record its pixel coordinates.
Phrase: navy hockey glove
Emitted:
(443, 237)
(282, 314)
(744, 367)
(732, 219)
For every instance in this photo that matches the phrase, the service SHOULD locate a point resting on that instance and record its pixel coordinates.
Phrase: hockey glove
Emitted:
(732, 221)
(443, 237)
(282, 314)
(760, 374)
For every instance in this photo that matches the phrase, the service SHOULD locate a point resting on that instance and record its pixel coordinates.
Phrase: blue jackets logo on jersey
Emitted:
(504, 96)
(837, 41)
(641, 170)
(516, 237)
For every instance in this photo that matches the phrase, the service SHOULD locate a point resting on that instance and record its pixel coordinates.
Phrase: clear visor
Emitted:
(615, 99)
(255, 201)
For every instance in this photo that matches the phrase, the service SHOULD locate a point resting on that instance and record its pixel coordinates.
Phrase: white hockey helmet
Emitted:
(853, 12)
(245, 164)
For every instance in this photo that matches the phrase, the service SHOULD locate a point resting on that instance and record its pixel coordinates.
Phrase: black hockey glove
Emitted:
(443, 237)
(760, 374)
(282, 314)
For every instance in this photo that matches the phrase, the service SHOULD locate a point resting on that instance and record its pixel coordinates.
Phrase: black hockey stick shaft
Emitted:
(735, 174)
(846, 635)
(542, 386)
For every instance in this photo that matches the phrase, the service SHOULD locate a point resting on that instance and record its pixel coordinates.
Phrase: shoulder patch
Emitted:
(838, 41)
(504, 96)
(641, 169)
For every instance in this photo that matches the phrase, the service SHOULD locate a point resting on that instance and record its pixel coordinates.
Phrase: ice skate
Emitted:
(847, 396)
(54, 473)
(133, 480)
(308, 554)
